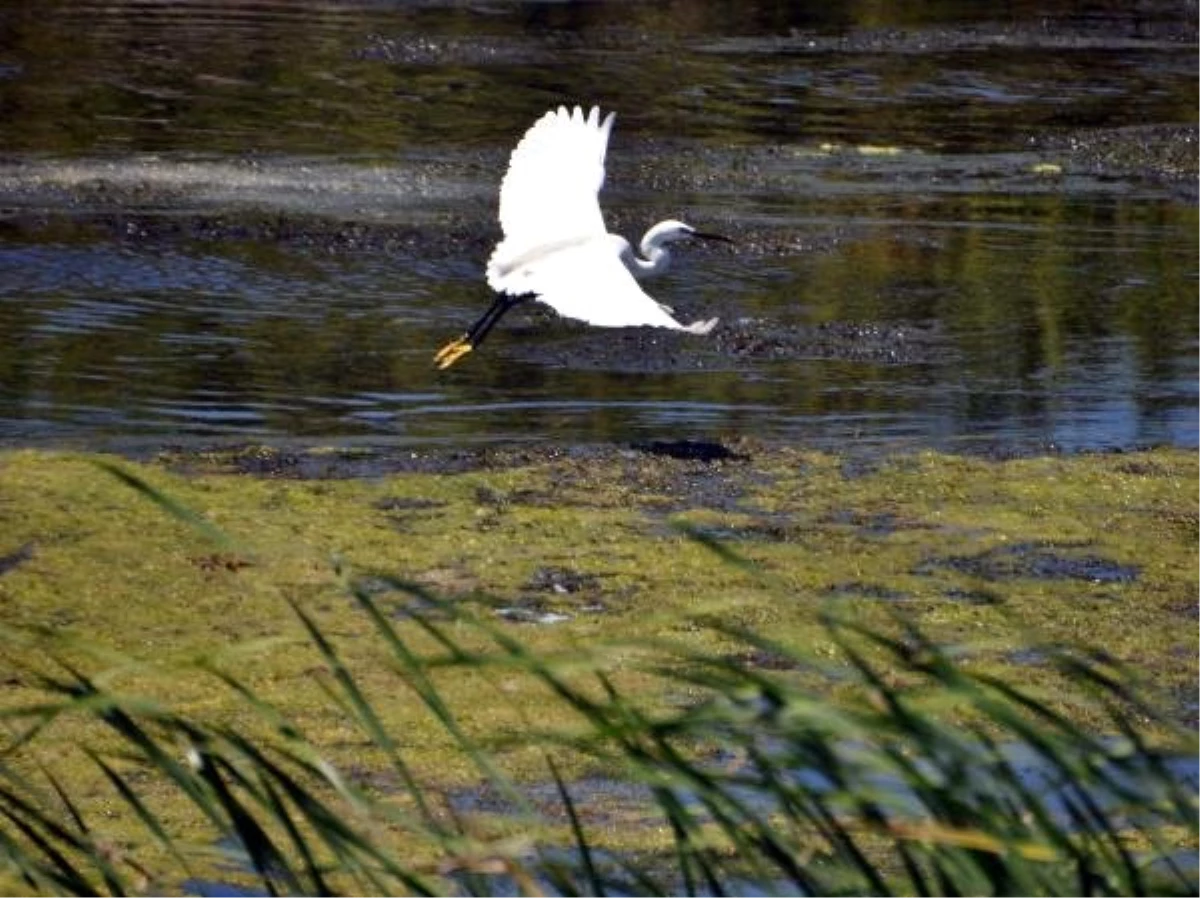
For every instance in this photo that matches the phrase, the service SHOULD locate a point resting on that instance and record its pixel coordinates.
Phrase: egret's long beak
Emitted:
(453, 351)
(704, 235)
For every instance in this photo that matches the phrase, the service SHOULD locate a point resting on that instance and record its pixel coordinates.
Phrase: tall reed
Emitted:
(924, 776)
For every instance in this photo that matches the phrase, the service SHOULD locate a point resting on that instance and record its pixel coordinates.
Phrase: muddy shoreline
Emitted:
(673, 461)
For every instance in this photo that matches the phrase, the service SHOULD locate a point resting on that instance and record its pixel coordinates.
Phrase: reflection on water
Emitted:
(259, 220)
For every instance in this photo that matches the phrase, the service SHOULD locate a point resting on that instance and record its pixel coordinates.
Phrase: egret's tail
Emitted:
(700, 327)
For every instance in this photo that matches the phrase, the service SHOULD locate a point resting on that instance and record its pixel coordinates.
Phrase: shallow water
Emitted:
(258, 221)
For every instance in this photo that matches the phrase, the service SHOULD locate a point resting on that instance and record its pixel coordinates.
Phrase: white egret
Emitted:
(556, 248)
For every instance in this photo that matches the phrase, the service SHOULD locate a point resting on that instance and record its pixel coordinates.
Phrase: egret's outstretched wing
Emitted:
(550, 190)
(586, 279)
(553, 178)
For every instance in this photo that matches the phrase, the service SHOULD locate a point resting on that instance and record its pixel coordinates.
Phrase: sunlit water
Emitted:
(259, 221)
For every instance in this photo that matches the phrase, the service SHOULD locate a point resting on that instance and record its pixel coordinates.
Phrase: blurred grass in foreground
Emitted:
(746, 784)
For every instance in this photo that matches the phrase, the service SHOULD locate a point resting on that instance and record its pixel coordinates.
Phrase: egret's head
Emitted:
(671, 230)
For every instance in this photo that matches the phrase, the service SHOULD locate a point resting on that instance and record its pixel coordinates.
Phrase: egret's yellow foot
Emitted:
(452, 352)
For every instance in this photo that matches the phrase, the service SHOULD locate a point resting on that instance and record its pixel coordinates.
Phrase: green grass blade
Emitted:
(171, 506)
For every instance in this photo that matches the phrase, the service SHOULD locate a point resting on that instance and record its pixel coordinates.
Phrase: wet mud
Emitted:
(734, 342)
(1161, 154)
(554, 594)
(689, 450)
(663, 463)
(1157, 24)
(1036, 561)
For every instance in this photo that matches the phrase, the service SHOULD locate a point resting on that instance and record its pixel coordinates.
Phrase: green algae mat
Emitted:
(570, 548)
(157, 573)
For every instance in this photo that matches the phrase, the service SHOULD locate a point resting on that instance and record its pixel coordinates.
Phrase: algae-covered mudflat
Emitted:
(592, 543)
(583, 550)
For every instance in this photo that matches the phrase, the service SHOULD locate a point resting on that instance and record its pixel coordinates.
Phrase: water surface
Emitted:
(245, 221)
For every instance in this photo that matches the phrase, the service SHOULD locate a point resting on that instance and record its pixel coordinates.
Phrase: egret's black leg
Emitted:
(456, 349)
(499, 308)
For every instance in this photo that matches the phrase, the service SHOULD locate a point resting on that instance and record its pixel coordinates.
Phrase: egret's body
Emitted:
(556, 248)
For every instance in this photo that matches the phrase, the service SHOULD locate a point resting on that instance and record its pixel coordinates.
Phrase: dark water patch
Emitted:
(491, 498)
(562, 581)
(973, 596)
(213, 888)
(689, 450)
(406, 503)
(560, 594)
(765, 659)
(873, 524)
(734, 533)
(1187, 701)
(402, 601)
(1186, 608)
(220, 561)
(756, 528)
(1000, 773)
(857, 466)
(600, 799)
(857, 590)
(1028, 657)
(532, 611)
(1039, 561)
(403, 511)
(12, 560)
(1009, 450)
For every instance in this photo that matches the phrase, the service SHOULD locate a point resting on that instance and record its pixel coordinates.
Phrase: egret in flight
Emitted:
(556, 248)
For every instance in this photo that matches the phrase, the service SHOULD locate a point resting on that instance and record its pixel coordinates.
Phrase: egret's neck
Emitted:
(657, 258)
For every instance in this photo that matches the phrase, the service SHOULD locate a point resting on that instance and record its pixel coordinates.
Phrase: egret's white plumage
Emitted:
(554, 175)
(556, 247)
